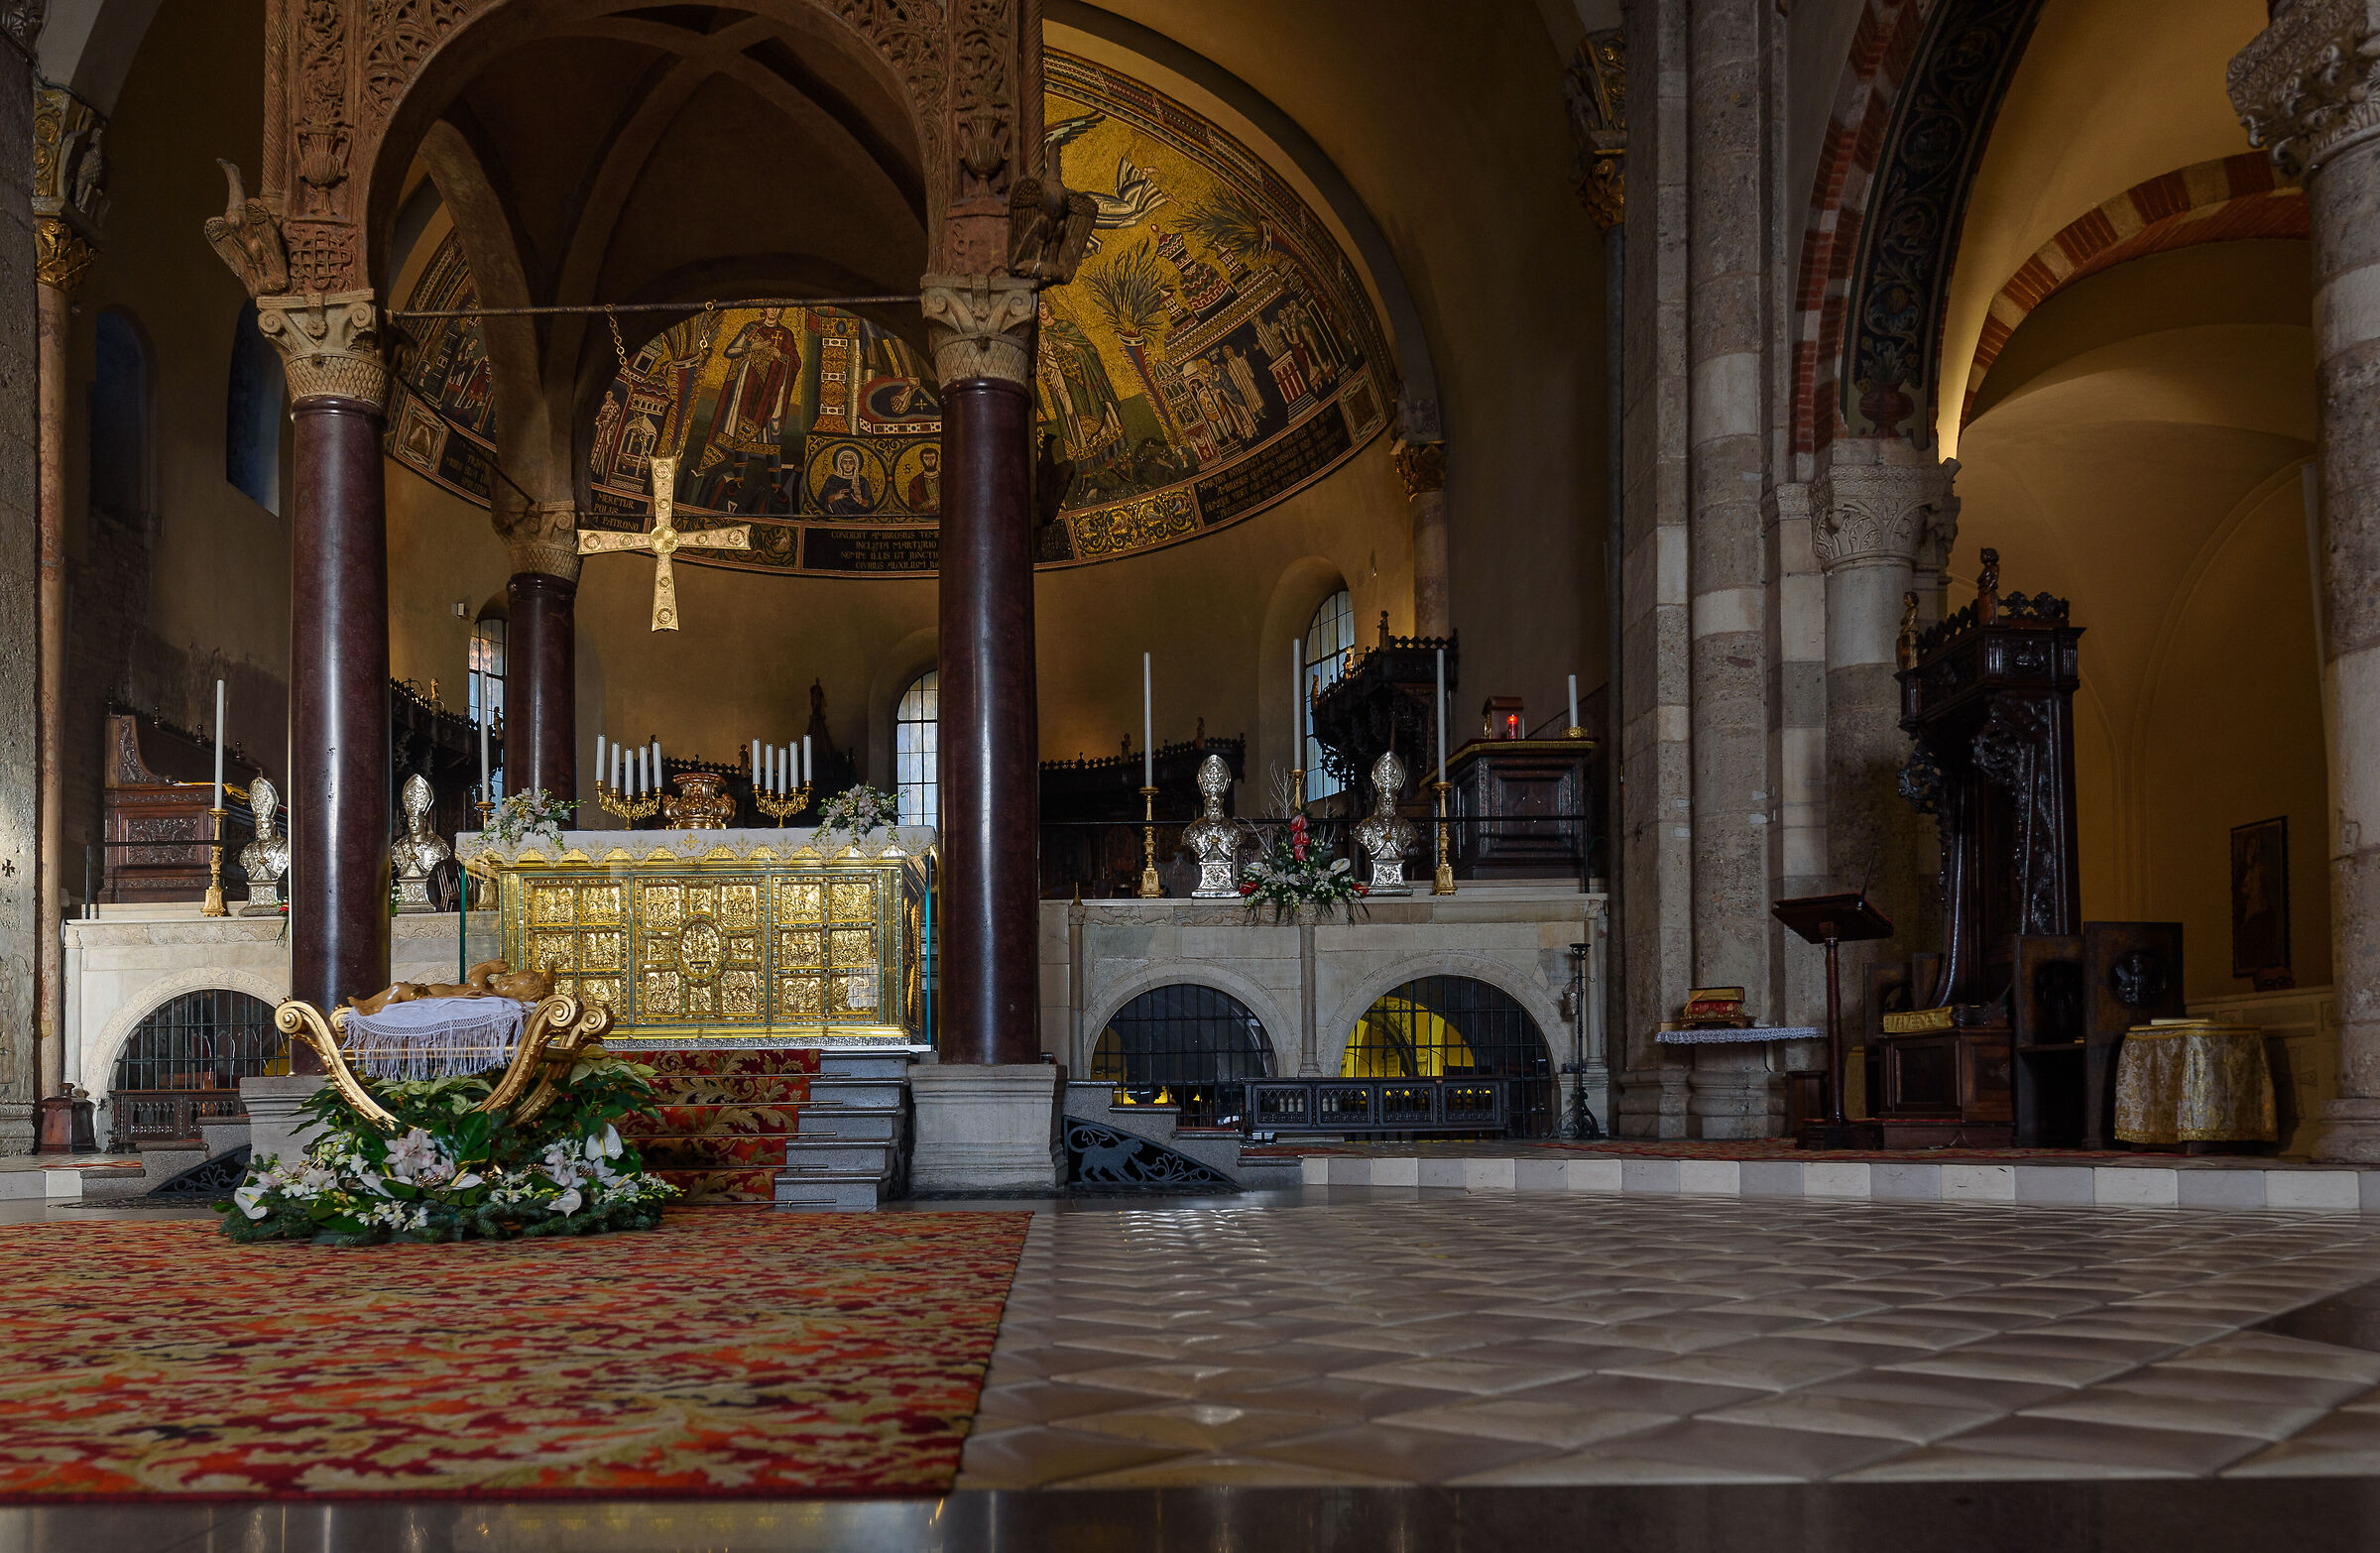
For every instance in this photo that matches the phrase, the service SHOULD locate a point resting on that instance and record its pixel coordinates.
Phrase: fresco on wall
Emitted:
(1215, 354)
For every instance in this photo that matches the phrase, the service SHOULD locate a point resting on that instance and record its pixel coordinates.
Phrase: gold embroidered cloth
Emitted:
(739, 942)
(2194, 1082)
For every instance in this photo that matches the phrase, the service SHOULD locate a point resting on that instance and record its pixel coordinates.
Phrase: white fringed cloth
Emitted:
(434, 1037)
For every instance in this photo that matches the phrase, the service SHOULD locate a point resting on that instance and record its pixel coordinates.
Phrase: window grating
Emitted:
(1330, 643)
(184, 1062)
(1182, 1041)
(1453, 1026)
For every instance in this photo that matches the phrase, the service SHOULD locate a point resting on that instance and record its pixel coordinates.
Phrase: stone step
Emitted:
(808, 1157)
(854, 1123)
(829, 1192)
(863, 1065)
(856, 1092)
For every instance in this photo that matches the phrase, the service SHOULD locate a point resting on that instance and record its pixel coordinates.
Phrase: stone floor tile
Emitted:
(1403, 1454)
(1986, 1365)
(1637, 1393)
(1516, 1419)
(2245, 1386)
(1917, 1424)
(1458, 1374)
(1733, 1366)
(1030, 1458)
(2187, 1452)
(1996, 1396)
(1205, 1427)
(2117, 1405)
(1754, 1451)
(2345, 1444)
(1177, 1381)
(1947, 1463)
(1042, 1403)
(1220, 1471)
(1333, 1396)
(2261, 1353)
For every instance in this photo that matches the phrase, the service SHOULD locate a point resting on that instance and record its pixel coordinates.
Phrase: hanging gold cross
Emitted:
(664, 541)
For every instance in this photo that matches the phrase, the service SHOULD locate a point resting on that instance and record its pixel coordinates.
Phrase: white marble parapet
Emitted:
(594, 846)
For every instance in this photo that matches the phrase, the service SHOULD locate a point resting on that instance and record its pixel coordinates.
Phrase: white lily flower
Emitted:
(251, 1199)
(464, 1182)
(611, 1142)
(568, 1203)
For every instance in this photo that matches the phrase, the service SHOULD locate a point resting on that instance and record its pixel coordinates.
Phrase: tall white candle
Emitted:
(218, 804)
(807, 771)
(481, 695)
(598, 758)
(659, 779)
(755, 765)
(616, 772)
(1441, 714)
(1297, 702)
(1149, 745)
(1573, 701)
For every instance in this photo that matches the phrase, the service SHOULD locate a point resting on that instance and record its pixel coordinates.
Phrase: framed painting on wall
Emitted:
(2260, 902)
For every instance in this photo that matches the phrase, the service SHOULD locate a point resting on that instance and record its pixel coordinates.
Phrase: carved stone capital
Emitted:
(329, 345)
(59, 255)
(69, 160)
(1596, 90)
(1884, 512)
(981, 326)
(2305, 86)
(541, 536)
(247, 238)
(1421, 465)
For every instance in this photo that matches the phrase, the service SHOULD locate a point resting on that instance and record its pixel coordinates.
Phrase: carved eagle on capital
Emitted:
(1049, 228)
(247, 236)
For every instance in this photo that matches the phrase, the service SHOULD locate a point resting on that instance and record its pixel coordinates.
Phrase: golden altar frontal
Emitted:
(753, 937)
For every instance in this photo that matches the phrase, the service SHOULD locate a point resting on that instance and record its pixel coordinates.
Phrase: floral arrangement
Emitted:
(859, 810)
(452, 1174)
(536, 815)
(1287, 874)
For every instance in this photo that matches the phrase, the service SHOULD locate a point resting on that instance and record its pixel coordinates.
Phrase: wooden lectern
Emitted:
(1835, 920)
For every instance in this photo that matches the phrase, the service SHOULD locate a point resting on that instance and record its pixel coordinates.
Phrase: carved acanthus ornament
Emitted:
(247, 237)
(59, 255)
(980, 326)
(21, 22)
(1421, 465)
(1596, 90)
(1880, 514)
(329, 345)
(542, 536)
(2308, 87)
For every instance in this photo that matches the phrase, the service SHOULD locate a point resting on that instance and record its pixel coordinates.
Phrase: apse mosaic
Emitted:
(1215, 354)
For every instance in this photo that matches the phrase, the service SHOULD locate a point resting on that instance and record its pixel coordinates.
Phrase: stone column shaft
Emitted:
(62, 259)
(2308, 87)
(339, 648)
(1881, 513)
(989, 724)
(540, 712)
(1421, 465)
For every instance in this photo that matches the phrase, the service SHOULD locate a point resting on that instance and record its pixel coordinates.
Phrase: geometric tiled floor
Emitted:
(1501, 1338)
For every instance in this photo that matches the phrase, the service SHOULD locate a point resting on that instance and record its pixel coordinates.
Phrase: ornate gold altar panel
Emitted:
(752, 948)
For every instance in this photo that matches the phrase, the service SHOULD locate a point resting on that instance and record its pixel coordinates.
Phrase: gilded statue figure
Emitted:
(420, 849)
(1212, 839)
(1387, 836)
(266, 859)
(1905, 648)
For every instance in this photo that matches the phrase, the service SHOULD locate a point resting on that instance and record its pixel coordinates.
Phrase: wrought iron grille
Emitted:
(1455, 1027)
(1184, 1043)
(184, 1062)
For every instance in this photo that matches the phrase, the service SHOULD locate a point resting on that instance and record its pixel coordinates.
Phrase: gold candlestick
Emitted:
(615, 801)
(785, 809)
(1443, 881)
(1150, 888)
(214, 870)
(487, 881)
(1297, 785)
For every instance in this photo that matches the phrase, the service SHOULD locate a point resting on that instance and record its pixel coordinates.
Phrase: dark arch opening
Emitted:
(181, 1066)
(1456, 1027)
(1183, 1043)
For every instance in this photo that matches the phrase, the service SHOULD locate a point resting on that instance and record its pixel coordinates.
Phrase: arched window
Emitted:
(1330, 638)
(252, 415)
(1453, 1026)
(916, 746)
(120, 418)
(183, 1063)
(487, 682)
(1177, 1043)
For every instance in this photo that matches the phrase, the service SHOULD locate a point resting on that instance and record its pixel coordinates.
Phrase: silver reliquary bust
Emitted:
(1212, 840)
(419, 850)
(266, 859)
(1385, 835)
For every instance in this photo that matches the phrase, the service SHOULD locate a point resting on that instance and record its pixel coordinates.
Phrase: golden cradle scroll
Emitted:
(2194, 1081)
(743, 937)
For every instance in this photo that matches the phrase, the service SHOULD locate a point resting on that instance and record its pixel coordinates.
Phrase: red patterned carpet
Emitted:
(718, 1132)
(726, 1354)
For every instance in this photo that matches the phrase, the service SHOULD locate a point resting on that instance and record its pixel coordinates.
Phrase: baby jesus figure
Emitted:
(488, 978)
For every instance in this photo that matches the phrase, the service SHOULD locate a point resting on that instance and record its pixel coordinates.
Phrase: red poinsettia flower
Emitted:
(1248, 890)
(1363, 890)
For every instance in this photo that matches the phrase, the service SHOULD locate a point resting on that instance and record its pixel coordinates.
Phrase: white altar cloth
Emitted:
(434, 1037)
